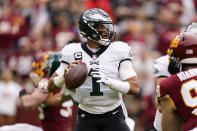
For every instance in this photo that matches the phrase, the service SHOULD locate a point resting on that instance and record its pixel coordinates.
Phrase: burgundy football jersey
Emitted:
(57, 118)
(182, 89)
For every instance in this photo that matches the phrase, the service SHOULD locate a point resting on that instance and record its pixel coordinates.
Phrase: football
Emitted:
(76, 75)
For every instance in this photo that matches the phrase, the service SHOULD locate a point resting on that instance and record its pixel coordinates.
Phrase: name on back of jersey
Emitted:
(187, 74)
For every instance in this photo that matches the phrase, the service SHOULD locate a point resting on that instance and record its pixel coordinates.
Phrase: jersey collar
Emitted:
(92, 54)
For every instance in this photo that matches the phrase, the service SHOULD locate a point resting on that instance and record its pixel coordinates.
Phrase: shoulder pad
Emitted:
(68, 50)
(123, 49)
(161, 67)
(119, 45)
(167, 84)
(70, 47)
(164, 60)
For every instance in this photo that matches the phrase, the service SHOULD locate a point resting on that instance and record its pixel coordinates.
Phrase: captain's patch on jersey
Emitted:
(78, 55)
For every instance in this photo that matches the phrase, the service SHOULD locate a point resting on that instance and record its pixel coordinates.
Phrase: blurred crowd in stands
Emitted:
(28, 27)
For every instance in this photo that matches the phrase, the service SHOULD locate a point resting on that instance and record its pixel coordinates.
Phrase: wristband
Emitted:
(22, 93)
(119, 86)
(59, 81)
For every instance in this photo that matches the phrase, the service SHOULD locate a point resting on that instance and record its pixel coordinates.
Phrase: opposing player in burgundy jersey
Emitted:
(178, 93)
(55, 109)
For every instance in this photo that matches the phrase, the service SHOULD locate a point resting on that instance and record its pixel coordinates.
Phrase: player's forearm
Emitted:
(55, 83)
(130, 86)
(170, 117)
(33, 100)
(55, 99)
(128, 74)
(28, 102)
(52, 87)
(134, 85)
(119, 86)
(52, 101)
(174, 122)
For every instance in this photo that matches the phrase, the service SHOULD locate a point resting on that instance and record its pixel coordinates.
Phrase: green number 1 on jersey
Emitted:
(95, 86)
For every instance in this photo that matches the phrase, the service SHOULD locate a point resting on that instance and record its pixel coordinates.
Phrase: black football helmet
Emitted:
(89, 22)
(52, 63)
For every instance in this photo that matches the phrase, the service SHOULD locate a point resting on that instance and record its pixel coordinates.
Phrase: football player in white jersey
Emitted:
(110, 74)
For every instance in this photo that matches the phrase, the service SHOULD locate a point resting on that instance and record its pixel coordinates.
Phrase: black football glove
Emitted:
(174, 66)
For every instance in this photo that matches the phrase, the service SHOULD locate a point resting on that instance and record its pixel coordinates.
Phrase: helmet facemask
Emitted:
(104, 33)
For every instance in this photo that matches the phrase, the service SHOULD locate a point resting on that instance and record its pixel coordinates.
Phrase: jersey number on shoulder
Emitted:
(95, 87)
(189, 94)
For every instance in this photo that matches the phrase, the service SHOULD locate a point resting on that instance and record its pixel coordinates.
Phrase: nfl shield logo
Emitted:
(94, 57)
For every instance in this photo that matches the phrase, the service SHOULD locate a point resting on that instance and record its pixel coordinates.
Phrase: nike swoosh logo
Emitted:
(115, 112)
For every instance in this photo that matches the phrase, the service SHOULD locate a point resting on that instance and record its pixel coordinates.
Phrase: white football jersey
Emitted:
(161, 66)
(160, 69)
(93, 97)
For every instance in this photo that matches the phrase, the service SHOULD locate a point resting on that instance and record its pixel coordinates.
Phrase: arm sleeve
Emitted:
(127, 53)
(65, 54)
(64, 61)
(125, 66)
(60, 70)
(126, 70)
(161, 67)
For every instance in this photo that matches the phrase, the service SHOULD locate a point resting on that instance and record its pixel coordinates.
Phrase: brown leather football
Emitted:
(76, 75)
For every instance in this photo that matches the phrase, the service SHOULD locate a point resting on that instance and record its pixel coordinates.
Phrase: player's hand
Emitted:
(70, 66)
(101, 77)
(42, 85)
